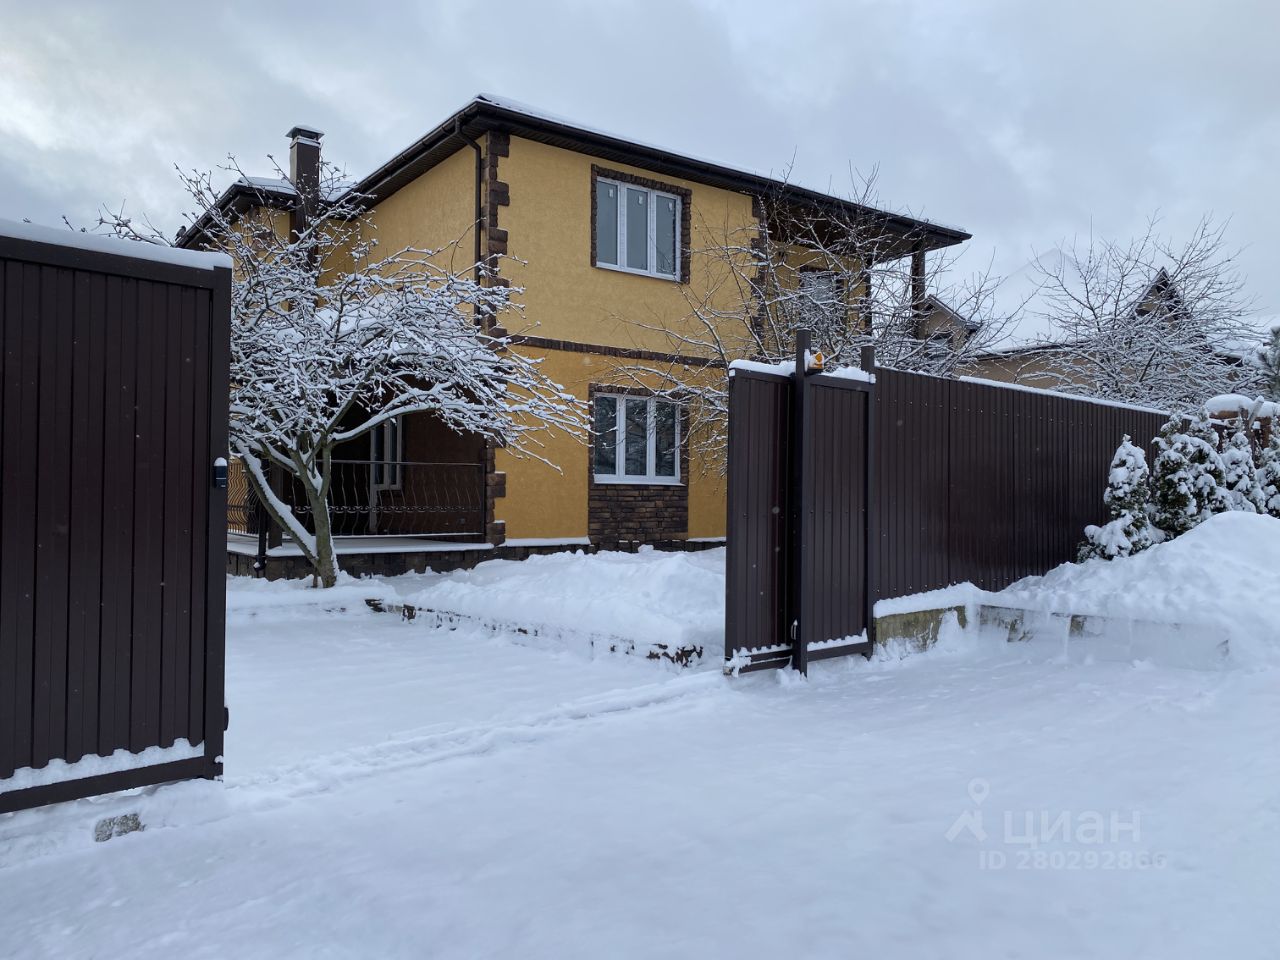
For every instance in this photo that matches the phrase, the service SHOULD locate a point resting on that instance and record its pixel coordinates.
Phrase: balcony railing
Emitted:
(379, 498)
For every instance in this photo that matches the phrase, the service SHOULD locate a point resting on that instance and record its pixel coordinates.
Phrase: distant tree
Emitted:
(1147, 321)
(1240, 476)
(1187, 481)
(330, 339)
(1129, 530)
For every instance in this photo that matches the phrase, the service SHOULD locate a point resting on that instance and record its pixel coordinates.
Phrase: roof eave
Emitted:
(480, 116)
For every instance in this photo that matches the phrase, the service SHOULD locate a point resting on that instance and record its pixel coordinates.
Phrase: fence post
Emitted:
(262, 520)
(795, 580)
(870, 526)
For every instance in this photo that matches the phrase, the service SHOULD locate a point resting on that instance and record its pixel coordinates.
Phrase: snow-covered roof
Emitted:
(489, 108)
(286, 188)
(515, 106)
(483, 111)
(97, 243)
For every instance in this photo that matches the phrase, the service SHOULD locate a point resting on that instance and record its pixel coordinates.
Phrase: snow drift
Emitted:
(648, 597)
(1223, 577)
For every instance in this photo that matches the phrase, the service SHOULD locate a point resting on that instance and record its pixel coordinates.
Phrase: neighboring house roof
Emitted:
(933, 303)
(485, 112)
(1022, 293)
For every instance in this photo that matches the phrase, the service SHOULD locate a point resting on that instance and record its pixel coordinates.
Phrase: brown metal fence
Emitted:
(965, 480)
(112, 599)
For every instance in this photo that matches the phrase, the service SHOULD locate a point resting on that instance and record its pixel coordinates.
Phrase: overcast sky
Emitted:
(1024, 123)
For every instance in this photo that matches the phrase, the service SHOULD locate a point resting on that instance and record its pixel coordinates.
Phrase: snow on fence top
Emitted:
(158, 253)
(787, 367)
(1100, 401)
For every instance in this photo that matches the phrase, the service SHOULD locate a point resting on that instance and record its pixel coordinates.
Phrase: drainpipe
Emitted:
(457, 128)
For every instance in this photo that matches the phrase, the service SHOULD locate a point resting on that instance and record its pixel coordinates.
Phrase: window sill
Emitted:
(669, 277)
(615, 480)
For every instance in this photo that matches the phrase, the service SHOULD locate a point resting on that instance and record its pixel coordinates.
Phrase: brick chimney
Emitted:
(304, 171)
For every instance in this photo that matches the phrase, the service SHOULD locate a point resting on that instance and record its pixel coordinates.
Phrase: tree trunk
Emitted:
(324, 561)
(317, 548)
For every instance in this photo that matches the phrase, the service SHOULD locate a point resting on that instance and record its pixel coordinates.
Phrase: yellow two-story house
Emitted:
(607, 241)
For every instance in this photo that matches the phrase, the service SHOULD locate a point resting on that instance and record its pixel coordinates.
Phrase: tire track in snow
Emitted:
(330, 772)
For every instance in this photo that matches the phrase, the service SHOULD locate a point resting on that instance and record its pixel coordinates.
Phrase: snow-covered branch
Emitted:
(330, 338)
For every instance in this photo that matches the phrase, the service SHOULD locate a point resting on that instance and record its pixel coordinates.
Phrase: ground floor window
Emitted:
(637, 440)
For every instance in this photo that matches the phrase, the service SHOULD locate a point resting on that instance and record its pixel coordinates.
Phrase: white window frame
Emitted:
(620, 443)
(391, 432)
(652, 232)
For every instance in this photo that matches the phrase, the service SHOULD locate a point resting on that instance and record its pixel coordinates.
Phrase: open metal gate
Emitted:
(113, 384)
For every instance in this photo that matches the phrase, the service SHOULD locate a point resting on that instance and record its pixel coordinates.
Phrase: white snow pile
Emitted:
(1228, 405)
(648, 597)
(1223, 577)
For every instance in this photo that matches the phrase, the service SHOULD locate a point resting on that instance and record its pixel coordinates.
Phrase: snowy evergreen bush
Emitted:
(1187, 486)
(1241, 477)
(1269, 476)
(1128, 531)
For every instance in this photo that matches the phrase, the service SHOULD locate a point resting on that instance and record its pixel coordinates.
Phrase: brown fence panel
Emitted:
(911, 486)
(756, 565)
(966, 480)
(113, 378)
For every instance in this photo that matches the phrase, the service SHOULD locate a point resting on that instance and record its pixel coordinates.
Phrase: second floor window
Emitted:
(637, 229)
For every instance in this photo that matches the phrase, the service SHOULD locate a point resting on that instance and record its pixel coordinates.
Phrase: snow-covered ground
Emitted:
(393, 789)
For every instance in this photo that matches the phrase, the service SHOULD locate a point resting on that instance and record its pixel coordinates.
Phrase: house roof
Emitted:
(485, 112)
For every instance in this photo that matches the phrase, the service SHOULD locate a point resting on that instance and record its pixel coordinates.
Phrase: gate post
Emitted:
(870, 527)
(795, 535)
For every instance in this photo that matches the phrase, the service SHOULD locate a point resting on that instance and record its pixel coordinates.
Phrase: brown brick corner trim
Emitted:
(686, 209)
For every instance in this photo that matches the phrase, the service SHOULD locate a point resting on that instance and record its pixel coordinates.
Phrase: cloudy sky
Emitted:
(1025, 123)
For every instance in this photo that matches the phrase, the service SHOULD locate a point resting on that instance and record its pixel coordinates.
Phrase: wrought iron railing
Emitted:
(244, 515)
(380, 498)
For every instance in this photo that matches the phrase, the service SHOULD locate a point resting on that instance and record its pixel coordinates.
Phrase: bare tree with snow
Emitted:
(844, 270)
(330, 338)
(1147, 321)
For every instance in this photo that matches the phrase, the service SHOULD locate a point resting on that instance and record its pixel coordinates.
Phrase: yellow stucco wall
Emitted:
(544, 502)
(434, 212)
(565, 297)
